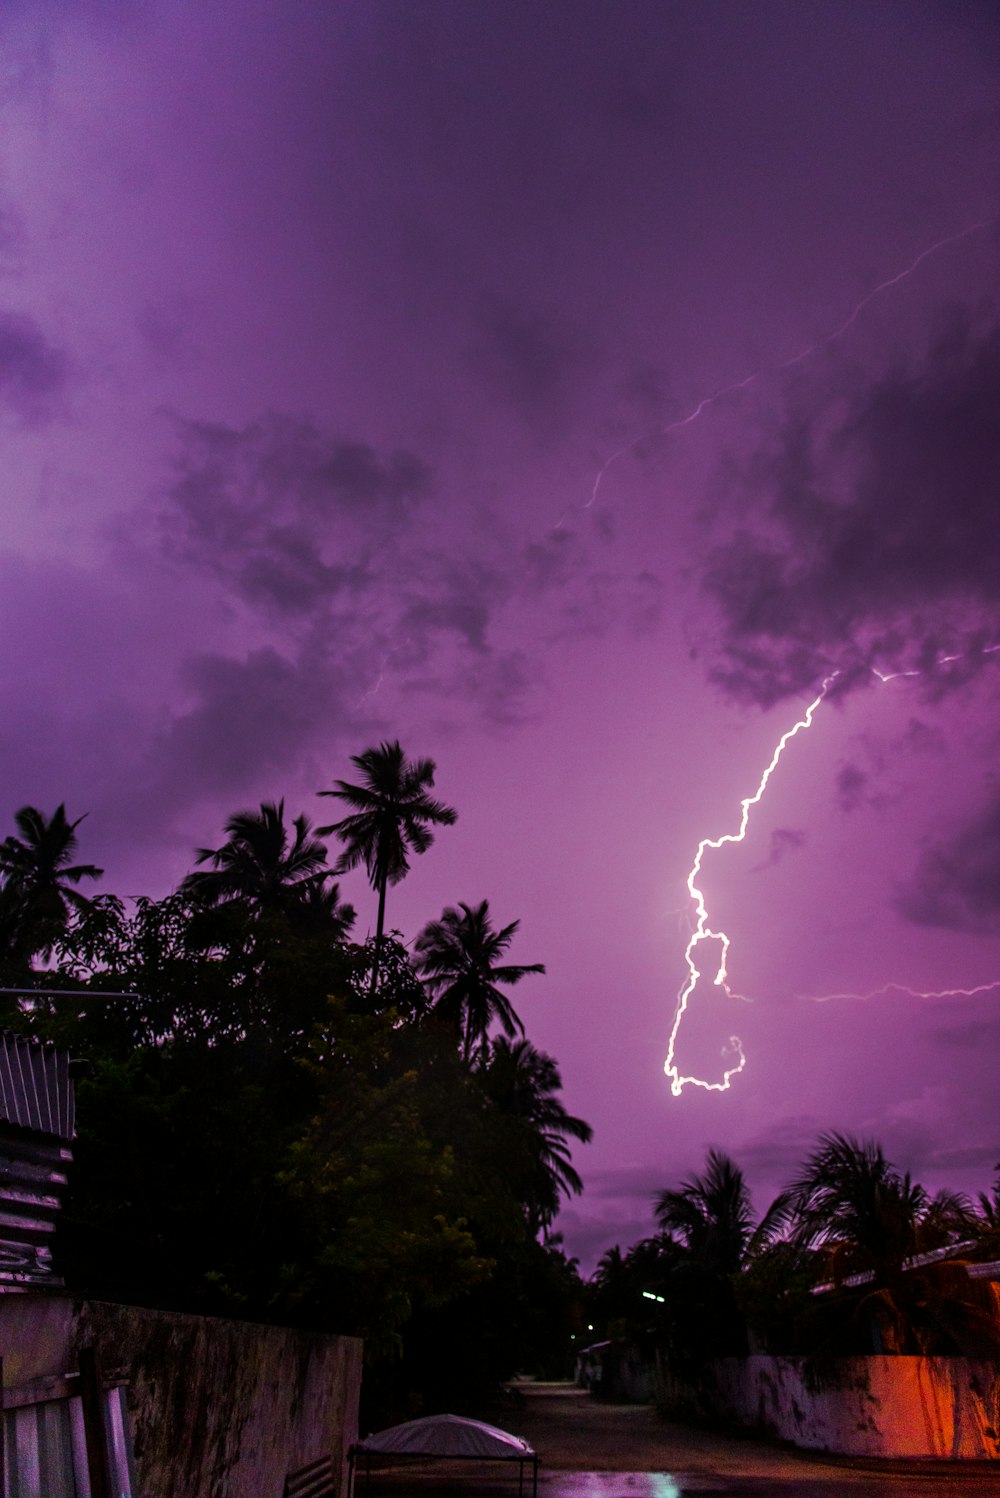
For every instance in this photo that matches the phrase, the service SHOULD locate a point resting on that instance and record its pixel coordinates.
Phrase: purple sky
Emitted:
(432, 370)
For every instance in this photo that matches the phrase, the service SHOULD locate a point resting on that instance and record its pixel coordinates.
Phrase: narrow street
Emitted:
(590, 1449)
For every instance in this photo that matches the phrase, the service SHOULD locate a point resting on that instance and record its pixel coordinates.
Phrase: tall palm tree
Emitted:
(459, 958)
(261, 869)
(524, 1084)
(391, 816)
(712, 1214)
(38, 894)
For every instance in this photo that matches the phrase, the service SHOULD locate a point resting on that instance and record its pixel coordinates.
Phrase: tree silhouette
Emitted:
(392, 815)
(38, 894)
(524, 1085)
(856, 1206)
(459, 957)
(260, 870)
(712, 1214)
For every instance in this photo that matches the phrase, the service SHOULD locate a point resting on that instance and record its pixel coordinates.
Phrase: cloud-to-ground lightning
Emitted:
(770, 369)
(703, 931)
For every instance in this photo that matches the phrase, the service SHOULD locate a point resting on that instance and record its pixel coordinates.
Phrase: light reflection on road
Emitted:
(967, 1483)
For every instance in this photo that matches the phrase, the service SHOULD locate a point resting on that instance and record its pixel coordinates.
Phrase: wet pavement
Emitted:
(835, 1484)
(678, 1461)
(593, 1449)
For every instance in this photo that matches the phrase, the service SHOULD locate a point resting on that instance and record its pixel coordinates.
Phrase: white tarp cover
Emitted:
(447, 1435)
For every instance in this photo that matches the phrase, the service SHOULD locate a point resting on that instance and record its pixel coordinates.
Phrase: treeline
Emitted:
(854, 1257)
(278, 1122)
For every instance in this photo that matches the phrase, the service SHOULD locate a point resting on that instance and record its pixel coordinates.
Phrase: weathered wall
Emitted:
(220, 1409)
(871, 1406)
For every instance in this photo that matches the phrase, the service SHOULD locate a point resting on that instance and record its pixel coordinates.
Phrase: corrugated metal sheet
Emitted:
(35, 1087)
(45, 1449)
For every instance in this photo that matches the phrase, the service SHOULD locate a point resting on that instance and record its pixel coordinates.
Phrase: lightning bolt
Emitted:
(703, 931)
(907, 992)
(376, 685)
(769, 369)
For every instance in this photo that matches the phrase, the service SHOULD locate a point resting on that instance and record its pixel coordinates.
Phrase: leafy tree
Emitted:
(851, 1202)
(260, 870)
(392, 815)
(379, 1183)
(39, 893)
(868, 1220)
(989, 1206)
(523, 1083)
(712, 1214)
(399, 987)
(459, 958)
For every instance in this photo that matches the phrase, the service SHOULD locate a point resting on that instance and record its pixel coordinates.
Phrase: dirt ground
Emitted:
(592, 1449)
(572, 1431)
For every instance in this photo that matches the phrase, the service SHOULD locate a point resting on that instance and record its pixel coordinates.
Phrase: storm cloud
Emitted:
(877, 545)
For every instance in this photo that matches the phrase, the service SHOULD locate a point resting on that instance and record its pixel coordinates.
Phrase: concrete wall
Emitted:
(871, 1406)
(219, 1409)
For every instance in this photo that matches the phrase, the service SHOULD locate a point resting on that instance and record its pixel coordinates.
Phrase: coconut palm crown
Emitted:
(459, 958)
(38, 894)
(262, 868)
(392, 814)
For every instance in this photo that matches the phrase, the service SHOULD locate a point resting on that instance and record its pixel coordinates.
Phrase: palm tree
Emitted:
(872, 1221)
(38, 894)
(989, 1206)
(258, 870)
(392, 814)
(856, 1206)
(459, 959)
(523, 1084)
(712, 1214)
(710, 1218)
(321, 911)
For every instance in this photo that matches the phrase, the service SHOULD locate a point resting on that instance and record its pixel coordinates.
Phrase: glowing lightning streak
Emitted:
(703, 932)
(910, 993)
(813, 348)
(376, 686)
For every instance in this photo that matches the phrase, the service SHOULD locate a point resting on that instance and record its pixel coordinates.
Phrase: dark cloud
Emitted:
(461, 603)
(783, 840)
(923, 737)
(776, 1153)
(336, 548)
(851, 787)
(32, 371)
(282, 487)
(247, 717)
(957, 883)
(877, 543)
(287, 514)
(979, 1033)
(532, 360)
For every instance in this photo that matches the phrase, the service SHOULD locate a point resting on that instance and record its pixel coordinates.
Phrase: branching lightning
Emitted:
(703, 931)
(769, 369)
(907, 992)
(376, 686)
